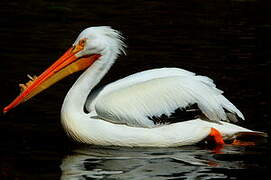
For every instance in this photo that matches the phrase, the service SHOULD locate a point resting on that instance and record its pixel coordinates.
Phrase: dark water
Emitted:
(226, 40)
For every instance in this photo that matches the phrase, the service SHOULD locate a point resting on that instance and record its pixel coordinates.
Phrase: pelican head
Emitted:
(100, 40)
(91, 44)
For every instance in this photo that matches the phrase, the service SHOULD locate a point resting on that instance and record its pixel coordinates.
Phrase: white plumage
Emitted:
(132, 100)
(120, 112)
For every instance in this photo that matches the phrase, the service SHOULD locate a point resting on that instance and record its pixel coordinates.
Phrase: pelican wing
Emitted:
(135, 103)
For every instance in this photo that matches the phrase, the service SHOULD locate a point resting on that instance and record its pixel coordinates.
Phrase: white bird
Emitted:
(134, 111)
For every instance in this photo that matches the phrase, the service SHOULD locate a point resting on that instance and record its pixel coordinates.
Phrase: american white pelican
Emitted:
(134, 111)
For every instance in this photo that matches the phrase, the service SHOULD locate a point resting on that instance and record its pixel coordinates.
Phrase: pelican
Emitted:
(136, 110)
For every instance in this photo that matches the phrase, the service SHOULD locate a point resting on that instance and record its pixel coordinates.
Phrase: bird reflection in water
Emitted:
(146, 163)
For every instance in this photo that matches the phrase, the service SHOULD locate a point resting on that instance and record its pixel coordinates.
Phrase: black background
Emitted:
(227, 40)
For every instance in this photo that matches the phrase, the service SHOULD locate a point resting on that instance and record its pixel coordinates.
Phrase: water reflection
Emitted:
(149, 163)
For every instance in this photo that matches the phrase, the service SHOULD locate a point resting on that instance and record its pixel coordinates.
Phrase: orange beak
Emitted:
(67, 64)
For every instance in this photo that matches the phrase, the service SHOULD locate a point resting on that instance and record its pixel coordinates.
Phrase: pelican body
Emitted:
(128, 112)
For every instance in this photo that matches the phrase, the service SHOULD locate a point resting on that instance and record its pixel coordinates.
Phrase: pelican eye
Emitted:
(80, 46)
(82, 42)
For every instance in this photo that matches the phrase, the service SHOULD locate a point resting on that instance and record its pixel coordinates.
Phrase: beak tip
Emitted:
(5, 110)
